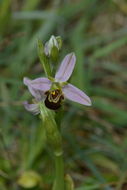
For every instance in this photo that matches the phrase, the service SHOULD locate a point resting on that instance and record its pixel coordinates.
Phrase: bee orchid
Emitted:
(54, 90)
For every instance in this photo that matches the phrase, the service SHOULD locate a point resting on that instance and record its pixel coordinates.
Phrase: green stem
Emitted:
(59, 173)
(54, 139)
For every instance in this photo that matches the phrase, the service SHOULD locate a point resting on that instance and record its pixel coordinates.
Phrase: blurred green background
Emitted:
(95, 138)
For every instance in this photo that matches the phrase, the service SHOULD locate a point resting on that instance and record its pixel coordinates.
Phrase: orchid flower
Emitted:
(53, 90)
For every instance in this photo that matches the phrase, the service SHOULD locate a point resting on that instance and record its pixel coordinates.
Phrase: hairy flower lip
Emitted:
(39, 86)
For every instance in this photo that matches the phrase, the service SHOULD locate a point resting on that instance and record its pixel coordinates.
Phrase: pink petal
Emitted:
(42, 84)
(66, 68)
(38, 86)
(34, 108)
(76, 95)
(36, 93)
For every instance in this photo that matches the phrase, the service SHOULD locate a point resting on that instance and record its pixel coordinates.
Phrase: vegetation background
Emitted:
(95, 138)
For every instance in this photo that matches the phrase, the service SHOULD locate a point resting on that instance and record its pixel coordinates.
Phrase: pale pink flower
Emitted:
(53, 91)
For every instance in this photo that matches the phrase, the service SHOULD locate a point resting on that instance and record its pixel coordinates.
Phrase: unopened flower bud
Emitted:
(52, 47)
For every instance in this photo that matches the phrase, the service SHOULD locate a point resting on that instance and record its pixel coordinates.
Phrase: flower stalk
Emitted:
(55, 141)
(59, 173)
(52, 133)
